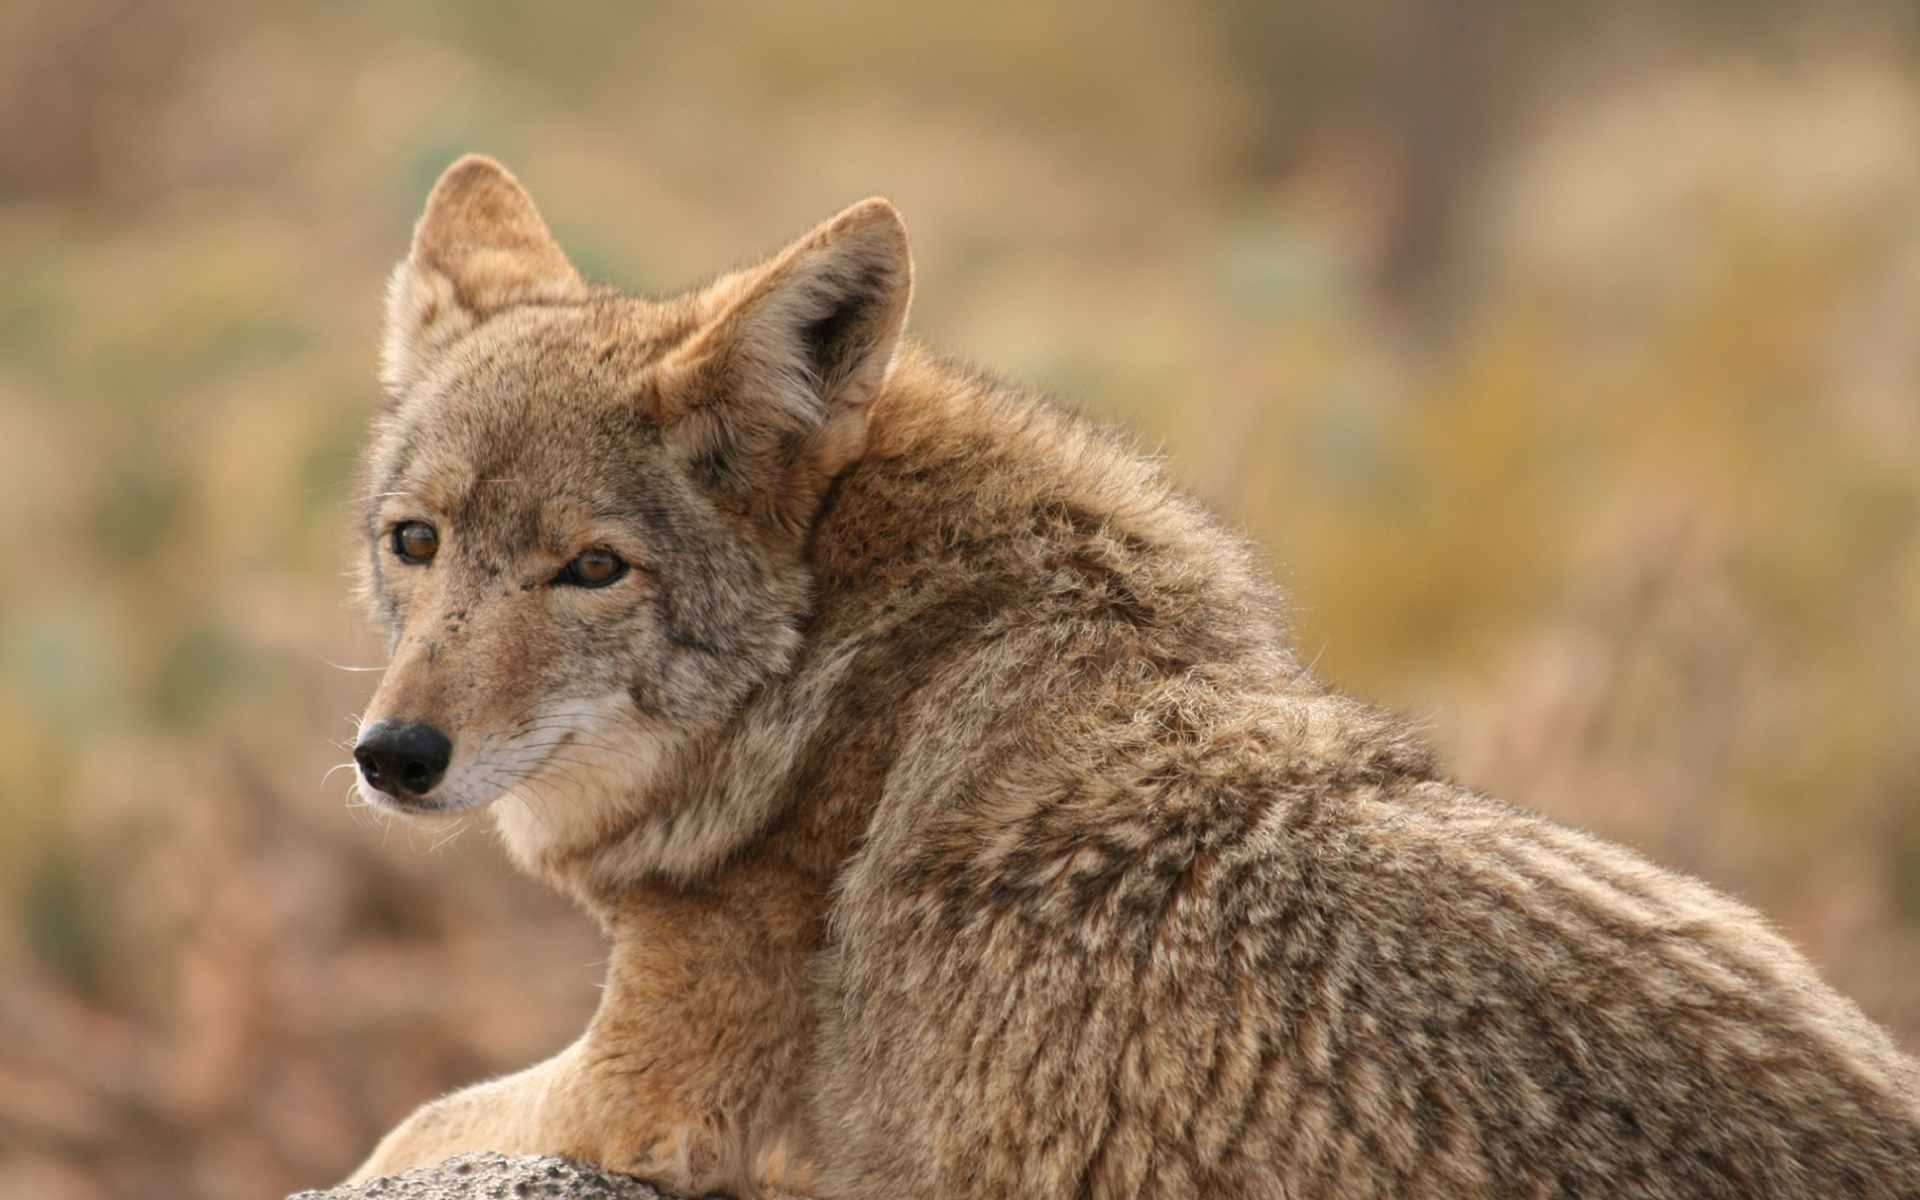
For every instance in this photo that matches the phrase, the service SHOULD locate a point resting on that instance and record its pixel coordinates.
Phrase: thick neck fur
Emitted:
(990, 550)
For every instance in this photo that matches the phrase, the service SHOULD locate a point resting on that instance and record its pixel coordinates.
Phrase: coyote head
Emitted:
(585, 513)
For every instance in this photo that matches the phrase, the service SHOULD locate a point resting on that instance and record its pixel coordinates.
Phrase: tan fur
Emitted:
(962, 823)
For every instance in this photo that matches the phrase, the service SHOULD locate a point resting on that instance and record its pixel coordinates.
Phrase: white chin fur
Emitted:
(600, 761)
(432, 805)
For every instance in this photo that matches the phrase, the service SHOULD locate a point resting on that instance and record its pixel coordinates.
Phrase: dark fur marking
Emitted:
(832, 342)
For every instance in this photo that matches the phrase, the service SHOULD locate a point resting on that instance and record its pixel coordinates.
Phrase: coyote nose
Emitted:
(402, 759)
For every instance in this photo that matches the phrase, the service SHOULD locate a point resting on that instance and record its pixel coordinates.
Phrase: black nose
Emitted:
(402, 760)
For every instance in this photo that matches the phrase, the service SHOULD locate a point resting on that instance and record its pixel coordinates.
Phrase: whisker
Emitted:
(344, 667)
(445, 836)
(345, 766)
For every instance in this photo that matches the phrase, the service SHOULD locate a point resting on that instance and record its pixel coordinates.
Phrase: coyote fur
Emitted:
(960, 819)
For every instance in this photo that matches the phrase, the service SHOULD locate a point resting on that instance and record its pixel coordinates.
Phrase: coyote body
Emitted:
(961, 822)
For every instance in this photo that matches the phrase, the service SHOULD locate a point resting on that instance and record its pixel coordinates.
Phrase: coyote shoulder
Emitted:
(961, 821)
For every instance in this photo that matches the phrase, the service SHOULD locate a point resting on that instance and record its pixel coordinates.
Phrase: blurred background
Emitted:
(1564, 359)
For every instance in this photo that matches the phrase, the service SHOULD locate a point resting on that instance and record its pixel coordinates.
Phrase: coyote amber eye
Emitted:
(595, 568)
(415, 542)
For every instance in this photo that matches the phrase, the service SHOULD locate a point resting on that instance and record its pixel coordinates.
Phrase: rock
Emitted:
(495, 1177)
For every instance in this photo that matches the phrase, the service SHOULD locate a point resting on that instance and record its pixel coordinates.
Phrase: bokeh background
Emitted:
(1564, 358)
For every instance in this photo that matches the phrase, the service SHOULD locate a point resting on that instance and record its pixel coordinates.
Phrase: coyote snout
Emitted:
(404, 759)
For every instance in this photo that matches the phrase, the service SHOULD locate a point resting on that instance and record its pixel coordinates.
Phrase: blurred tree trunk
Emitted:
(1421, 85)
(1448, 70)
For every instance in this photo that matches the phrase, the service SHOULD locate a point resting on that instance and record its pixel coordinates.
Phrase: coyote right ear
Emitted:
(480, 247)
(773, 392)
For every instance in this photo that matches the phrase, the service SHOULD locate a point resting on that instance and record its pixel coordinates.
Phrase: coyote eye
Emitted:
(415, 542)
(595, 568)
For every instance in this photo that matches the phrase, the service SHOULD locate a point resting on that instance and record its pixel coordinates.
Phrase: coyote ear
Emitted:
(773, 392)
(480, 247)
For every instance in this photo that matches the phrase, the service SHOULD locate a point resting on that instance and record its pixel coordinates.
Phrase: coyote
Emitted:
(960, 819)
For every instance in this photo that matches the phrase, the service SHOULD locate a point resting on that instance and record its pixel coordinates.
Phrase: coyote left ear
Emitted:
(773, 392)
(480, 247)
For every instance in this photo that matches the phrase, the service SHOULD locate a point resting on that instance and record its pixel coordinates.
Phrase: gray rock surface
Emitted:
(496, 1177)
